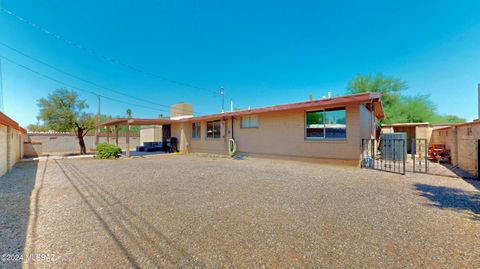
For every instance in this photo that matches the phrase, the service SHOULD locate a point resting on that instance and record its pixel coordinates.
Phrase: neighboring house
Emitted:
(11, 143)
(463, 142)
(329, 129)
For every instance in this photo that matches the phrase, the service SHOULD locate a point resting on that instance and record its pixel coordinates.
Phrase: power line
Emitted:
(1, 87)
(102, 56)
(78, 88)
(83, 79)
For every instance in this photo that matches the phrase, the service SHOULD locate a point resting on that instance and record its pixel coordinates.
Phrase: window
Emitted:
(326, 124)
(213, 129)
(249, 122)
(196, 130)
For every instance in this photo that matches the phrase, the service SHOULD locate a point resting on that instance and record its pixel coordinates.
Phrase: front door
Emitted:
(166, 133)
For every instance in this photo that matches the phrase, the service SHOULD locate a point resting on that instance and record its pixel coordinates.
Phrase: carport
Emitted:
(127, 122)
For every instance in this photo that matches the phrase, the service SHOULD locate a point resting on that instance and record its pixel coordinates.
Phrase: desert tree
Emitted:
(63, 111)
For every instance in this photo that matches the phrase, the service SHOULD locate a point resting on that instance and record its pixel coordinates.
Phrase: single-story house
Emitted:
(463, 142)
(325, 129)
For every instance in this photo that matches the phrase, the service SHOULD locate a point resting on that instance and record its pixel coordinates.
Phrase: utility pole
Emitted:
(98, 121)
(222, 92)
(1, 87)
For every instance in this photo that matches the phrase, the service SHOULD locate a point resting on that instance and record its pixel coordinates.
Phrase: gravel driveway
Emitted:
(191, 211)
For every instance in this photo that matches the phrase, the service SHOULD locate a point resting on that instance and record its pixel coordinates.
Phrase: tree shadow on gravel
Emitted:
(132, 233)
(16, 188)
(451, 198)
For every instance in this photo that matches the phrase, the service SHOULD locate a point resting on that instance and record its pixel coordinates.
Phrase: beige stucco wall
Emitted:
(423, 132)
(11, 143)
(438, 136)
(150, 134)
(468, 148)
(282, 134)
(32, 149)
(3, 149)
(447, 137)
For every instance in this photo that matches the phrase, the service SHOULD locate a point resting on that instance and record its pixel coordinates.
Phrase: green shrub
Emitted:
(108, 151)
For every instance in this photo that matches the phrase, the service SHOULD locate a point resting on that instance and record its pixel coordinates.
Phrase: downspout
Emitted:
(233, 127)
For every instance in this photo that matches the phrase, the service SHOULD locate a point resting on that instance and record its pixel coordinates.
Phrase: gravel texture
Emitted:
(191, 211)
(15, 190)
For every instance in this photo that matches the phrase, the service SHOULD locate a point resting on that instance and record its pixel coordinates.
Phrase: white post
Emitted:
(127, 140)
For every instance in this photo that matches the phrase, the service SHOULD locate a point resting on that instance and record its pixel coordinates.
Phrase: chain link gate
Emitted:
(387, 155)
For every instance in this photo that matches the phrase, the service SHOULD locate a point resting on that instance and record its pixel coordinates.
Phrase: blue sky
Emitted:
(263, 53)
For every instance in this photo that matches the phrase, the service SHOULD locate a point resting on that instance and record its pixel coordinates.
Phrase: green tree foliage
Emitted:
(37, 128)
(129, 113)
(399, 108)
(389, 87)
(447, 119)
(417, 108)
(62, 111)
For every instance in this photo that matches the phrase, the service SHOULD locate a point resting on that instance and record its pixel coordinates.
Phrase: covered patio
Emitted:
(127, 122)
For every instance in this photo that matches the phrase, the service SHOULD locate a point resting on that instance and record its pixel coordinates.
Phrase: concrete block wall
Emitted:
(3, 149)
(11, 143)
(467, 137)
(461, 140)
(62, 143)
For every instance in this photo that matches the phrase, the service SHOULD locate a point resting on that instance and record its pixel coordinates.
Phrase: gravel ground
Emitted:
(191, 211)
(15, 190)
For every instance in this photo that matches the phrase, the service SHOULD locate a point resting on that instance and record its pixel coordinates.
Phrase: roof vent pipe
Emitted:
(329, 94)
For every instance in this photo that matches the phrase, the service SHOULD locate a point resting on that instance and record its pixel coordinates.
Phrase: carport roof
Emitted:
(406, 124)
(133, 121)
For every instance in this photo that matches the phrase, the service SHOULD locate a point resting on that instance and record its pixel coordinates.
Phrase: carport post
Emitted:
(127, 140)
(116, 135)
(108, 134)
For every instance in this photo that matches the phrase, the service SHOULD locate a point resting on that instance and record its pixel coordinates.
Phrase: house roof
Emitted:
(467, 123)
(367, 97)
(7, 121)
(326, 102)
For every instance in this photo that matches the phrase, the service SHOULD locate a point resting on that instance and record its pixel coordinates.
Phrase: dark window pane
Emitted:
(213, 129)
(315, 124)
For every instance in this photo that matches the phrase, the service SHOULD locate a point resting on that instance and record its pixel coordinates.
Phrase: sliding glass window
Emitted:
(328, 124)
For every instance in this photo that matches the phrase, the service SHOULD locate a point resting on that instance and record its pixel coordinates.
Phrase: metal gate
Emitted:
(419, 153)
(387, 155)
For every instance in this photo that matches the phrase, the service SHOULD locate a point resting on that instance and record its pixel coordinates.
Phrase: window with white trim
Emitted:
(213, 129)
(249, 122)
(326, 124)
